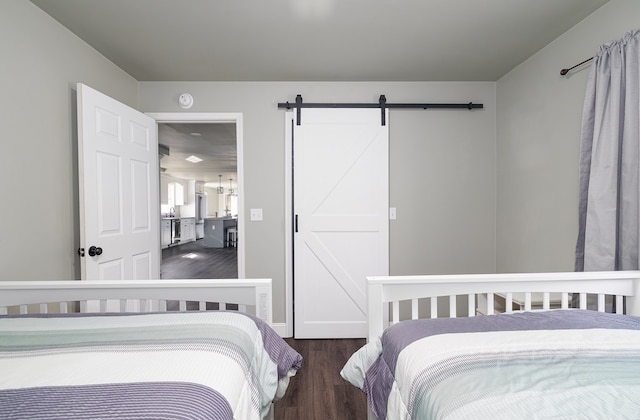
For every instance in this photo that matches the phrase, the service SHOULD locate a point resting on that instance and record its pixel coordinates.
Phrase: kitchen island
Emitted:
(215, 231)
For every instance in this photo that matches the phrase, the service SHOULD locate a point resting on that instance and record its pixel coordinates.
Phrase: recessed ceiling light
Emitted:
(194, 159)
(195, 134)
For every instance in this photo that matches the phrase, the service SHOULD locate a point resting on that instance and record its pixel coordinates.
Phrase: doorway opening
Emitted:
(201, 195)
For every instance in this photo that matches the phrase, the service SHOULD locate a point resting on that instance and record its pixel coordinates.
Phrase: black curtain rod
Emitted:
(382, 104)
(565, 71)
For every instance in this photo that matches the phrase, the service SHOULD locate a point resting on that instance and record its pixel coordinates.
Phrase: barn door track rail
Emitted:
(382, 104)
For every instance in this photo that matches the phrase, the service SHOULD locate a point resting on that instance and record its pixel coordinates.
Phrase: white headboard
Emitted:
(386, 290)
(150, 294)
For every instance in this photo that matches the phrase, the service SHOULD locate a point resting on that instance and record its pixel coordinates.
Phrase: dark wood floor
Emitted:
(318, 391)
(195, 261)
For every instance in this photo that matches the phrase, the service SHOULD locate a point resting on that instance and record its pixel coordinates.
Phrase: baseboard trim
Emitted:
(281, 329)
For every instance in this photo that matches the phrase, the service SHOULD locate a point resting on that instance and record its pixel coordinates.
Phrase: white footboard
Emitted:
(524, 290)
(251, 295)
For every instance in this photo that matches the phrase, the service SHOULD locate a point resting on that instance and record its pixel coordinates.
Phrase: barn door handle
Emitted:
(95, 250)
(296, 224)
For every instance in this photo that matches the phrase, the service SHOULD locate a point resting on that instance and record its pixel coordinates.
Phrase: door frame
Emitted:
(213, 118)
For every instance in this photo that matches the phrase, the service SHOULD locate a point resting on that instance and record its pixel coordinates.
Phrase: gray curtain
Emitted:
(609, 178)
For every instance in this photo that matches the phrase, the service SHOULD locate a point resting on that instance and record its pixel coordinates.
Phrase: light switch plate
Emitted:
(255, 215)
(392, 213)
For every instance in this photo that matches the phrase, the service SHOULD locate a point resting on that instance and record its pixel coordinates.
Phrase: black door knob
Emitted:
(95, 250)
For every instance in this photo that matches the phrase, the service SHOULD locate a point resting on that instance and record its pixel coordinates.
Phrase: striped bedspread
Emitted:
(563, 364)
(193, 365)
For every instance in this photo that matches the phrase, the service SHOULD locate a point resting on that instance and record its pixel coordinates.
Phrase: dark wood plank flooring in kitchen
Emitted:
(318, 391)
(195, 261)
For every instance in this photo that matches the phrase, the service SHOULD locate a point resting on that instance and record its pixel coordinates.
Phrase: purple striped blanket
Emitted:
(546, 364)
(194, 365)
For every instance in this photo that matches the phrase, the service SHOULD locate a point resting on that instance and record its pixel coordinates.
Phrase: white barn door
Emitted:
(118, 177)
(341, 223)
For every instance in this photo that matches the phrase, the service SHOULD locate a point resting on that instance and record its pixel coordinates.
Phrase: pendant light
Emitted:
(231, 192)
(220, 189)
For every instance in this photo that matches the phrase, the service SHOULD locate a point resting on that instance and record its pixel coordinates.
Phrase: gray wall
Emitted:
(444, 181)
(41, 64)
(442, 169)
(538, 140)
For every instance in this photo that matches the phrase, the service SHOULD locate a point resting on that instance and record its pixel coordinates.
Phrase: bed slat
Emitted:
(508, 303)
(583, 301)
(395, 312)
(490, 304)
(619, 304)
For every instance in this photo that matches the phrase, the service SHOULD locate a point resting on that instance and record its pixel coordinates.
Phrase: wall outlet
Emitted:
(255, 215)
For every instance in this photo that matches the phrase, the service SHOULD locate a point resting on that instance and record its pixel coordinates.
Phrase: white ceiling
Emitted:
(215, 144)
(318, 40)
(308, 40)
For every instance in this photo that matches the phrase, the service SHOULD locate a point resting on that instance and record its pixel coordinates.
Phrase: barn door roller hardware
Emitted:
(382, 104)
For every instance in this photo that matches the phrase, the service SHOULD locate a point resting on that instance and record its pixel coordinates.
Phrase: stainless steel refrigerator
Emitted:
(201, 213)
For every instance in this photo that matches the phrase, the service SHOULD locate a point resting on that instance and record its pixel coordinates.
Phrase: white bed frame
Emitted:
(251, 295)
(25, 297)
(529, 288)
(385, 294)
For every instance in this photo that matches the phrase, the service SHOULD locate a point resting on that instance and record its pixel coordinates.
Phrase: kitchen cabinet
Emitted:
(175, 193)
(165, 233)
(179, 199)
(187, 229)
(172, 191)
(164, 190)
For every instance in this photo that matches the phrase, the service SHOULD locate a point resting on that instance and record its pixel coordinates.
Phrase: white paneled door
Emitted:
(341, 224)
(118, 177)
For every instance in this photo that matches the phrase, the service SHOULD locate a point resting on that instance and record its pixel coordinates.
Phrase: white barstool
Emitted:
(232, 237)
